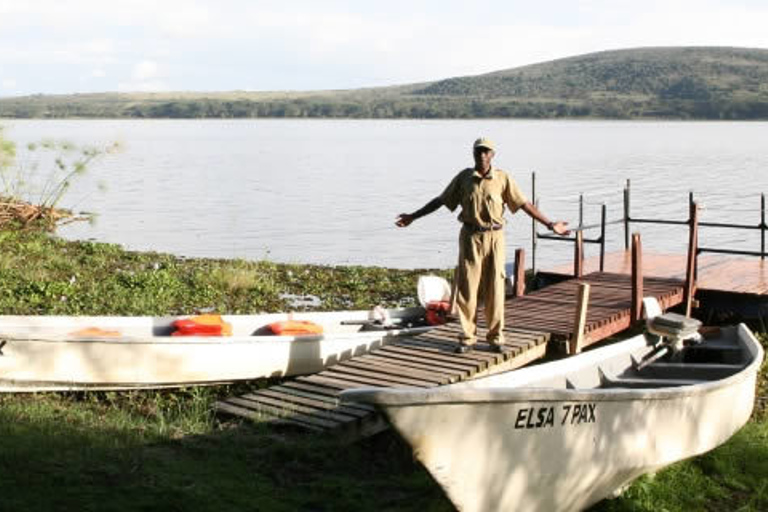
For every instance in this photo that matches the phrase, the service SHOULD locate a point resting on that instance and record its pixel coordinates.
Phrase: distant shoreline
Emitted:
(363, 119)
(676, 83)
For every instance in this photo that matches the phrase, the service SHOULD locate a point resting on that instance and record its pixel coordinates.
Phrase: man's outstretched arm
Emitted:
(559, 227)
(404, 219)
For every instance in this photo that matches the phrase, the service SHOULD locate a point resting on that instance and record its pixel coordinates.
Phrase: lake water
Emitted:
(328, 191)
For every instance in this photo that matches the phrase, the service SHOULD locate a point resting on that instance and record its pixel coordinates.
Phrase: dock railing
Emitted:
(578, 238)
(761, 226)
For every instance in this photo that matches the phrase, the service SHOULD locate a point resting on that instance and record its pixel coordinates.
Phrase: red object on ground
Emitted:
(295, 328)
(437, 312)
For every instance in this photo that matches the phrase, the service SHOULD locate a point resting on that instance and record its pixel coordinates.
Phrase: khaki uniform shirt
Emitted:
(482, 199)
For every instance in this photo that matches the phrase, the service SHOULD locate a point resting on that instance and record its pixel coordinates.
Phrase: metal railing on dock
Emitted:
(578, 238)
(761, 226)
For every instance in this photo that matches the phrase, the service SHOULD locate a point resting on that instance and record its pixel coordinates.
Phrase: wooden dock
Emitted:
(553, 308)
(428, 360)
(716, 273)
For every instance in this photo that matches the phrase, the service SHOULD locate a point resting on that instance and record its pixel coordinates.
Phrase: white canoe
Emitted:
(44, 353)
(566, 434)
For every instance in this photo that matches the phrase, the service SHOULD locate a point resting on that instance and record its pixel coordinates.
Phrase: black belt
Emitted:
(480, 229)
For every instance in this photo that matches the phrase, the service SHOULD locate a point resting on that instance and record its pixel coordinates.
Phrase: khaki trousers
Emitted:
(480, 275)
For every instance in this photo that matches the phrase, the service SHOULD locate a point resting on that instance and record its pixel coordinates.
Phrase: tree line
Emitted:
(699, 106)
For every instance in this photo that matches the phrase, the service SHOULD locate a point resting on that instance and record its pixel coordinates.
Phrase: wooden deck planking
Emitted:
(246, 412)
(424, 361)
(397, 370)
(717, 273)
(447, 374)
(377, 376)
(553, 308)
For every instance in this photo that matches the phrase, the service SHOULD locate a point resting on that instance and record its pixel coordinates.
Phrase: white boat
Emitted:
(51, 353)
(566, 434)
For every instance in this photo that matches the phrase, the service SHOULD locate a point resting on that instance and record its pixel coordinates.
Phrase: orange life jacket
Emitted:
(295, 328)
(202, 325)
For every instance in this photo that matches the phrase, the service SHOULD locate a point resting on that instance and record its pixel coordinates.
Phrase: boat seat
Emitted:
(639, 383)
(700, 371)
(713, 354)
(609, 381)
(649, 383)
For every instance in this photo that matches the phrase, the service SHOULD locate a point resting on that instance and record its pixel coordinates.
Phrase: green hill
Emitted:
(674, 82)
(680, 83)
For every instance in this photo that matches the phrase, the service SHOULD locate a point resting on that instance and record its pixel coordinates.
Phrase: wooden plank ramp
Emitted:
(428, 360)
(423, 361)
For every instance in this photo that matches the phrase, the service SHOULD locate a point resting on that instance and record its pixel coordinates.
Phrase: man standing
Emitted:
(482, 191)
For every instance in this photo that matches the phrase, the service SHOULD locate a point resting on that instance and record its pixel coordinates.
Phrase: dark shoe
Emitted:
(463, 348)
(500, 349)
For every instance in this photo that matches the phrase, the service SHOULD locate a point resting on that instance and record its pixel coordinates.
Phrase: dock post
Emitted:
(581, 210)
(762, 226)
(578, 255)
(636, 308)
(626, 216)
(519, 283)
(693, 256)
(580, 321)
(603, 215)
(534, 242)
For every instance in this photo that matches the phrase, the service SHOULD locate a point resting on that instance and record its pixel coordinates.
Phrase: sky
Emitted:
(79, 46)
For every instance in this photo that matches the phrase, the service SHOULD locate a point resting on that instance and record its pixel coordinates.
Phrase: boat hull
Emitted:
(529, 448)
(37, 355)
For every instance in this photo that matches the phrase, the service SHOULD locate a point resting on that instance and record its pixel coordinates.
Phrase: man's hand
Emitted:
(404, 219)
(561, 228)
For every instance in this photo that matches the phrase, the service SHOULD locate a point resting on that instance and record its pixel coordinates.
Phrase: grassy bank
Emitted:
(41, 274)
(152, 450)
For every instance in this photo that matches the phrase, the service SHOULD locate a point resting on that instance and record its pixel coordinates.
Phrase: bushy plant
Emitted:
(30, 192)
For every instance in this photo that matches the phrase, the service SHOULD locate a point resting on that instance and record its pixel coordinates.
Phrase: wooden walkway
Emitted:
(552, 309)
(424, 361)
(428, 360)
(716, 273)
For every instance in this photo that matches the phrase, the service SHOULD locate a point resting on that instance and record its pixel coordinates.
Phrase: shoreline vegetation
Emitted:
(139, 450)
(20, 214)
(29, 195)
(705, 83)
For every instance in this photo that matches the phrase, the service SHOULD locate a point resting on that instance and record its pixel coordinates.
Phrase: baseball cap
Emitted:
(482, 142)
